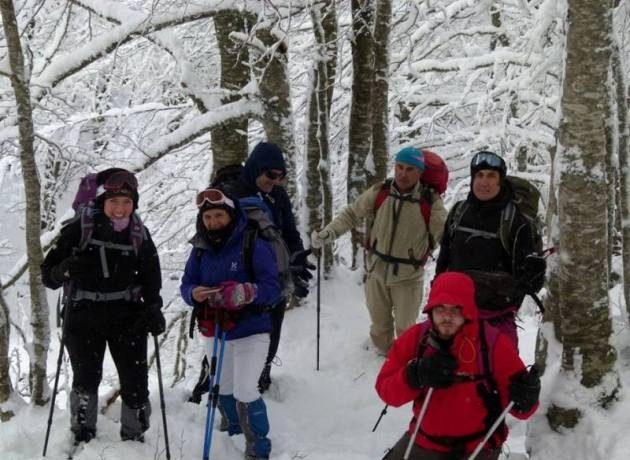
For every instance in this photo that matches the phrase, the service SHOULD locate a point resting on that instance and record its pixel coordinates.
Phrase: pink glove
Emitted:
(235, 295)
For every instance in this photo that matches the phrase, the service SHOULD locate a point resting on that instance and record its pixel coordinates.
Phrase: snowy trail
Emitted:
(319, 415)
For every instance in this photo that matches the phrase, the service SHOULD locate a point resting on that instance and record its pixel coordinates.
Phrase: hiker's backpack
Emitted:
(260, 223)
(434, 177)
(526, 198)
(487, 387)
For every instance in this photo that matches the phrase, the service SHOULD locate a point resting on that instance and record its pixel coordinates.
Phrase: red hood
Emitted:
(454, 288)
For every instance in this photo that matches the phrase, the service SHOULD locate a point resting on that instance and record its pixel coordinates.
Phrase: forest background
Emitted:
(175, 89)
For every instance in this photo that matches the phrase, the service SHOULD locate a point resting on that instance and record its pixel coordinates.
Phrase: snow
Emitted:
(322, 415)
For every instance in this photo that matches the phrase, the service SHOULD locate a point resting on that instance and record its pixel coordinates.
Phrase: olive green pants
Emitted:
(418, 453)
(393, 309)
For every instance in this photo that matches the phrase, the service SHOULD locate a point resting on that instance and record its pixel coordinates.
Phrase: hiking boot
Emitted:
(84, 435)
(264, 382)
(131, 437)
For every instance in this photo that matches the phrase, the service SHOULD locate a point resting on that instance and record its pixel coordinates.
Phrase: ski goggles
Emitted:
(120, 180)
(489, 159)
(273, 175)
(214, 197)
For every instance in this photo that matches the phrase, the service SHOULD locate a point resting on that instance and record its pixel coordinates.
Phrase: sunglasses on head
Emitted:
(488, 158)
(121, 180)
(213, 196)
(274, 175)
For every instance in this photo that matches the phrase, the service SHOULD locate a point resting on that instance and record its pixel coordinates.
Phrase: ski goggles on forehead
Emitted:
(213, 196)
(273, 175)
(488, 158)
(119, 181)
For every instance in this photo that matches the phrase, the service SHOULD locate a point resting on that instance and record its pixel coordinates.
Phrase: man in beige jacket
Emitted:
(397, 244)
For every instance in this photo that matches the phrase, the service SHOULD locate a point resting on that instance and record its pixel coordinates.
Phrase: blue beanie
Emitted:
(411, 156)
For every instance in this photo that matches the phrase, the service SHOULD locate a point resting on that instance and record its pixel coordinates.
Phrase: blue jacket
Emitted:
(205, 267)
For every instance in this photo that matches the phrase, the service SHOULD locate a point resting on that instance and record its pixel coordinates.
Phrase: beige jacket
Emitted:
(405, 237)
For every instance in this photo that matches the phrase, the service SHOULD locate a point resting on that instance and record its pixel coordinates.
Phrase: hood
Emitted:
(454, 288)
(265, 156)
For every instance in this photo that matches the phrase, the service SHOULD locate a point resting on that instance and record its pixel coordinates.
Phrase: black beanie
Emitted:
(127, 190)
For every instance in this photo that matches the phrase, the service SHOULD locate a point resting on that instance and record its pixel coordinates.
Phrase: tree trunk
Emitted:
(583, 273)
(229, 140)
(623, 103)
(39, 305)
(360, 129)
(274, 86)
(6, 387)
(318, 184)
(380, 100)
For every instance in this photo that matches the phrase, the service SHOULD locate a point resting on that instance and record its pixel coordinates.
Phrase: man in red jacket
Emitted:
(473, 372)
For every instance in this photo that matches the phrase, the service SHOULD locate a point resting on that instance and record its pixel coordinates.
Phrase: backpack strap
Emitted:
(249, 244)
(458, 212)
(505, 226)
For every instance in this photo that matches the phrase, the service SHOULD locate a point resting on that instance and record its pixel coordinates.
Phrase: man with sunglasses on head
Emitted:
(262, 176)
(472, 242)
(398, 242)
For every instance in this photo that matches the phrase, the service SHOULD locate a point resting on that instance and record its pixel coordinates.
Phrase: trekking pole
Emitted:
(158, 366)
(423, 411)
(59, 361)
(383, 412)
(491, 431)
(319, 296)
(213, 388)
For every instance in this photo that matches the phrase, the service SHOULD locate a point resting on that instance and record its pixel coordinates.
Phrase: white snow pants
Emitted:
(243, 361)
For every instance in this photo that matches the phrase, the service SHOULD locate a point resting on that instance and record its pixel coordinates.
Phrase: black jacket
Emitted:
(461, 251)
(126, 269)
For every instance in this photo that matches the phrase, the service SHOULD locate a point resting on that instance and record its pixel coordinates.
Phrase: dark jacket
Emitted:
(267, 156)
(126, 268)
(461, 251)
(209, 267)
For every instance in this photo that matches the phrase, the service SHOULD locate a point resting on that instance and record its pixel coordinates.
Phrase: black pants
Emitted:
(418, 453)
(94, 325)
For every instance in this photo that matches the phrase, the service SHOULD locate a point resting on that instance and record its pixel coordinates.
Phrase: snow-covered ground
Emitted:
(315, 415)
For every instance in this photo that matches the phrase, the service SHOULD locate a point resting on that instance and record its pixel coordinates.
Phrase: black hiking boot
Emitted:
(84, 435)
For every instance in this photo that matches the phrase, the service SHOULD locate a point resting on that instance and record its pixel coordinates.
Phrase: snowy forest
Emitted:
(175, 89)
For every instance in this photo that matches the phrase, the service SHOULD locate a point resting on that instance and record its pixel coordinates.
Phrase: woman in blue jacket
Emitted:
(237, 294)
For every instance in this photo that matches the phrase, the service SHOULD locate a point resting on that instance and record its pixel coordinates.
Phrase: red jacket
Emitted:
(458, 410)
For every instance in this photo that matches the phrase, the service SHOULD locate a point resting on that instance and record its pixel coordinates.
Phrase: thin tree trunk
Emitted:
(6, 387)
(229, 140)
(360, 129)
(583, 274)
(318, 184)
(623, 102)
(274, 86)
(380, 100)
(39, 305)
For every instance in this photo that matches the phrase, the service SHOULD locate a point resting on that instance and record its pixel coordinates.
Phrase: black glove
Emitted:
(531, 276)
(437, 371)
(525, 389)
(300, 287)
(300, 272)
(151, 320)
(75, 268)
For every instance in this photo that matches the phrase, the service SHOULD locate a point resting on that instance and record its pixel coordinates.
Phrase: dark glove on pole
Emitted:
(435, 371)
(75, 268)
(531, 276)
(524, 389)
(301, 272)
(151, 321)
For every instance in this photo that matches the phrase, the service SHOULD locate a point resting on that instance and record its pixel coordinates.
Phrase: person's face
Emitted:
(118, 207)
(215, 219)
(447, 320)
(486, 184)
(406, 176)
(267, 179)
